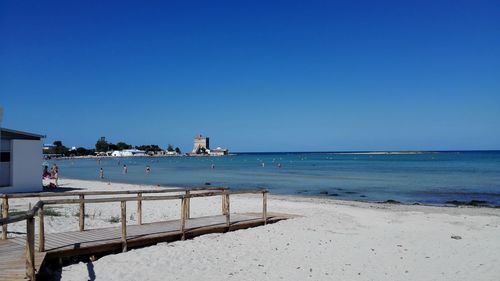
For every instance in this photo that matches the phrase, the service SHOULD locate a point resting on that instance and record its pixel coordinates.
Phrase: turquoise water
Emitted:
(425, 178)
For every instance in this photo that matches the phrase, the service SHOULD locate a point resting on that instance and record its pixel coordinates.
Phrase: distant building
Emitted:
(218, 151)
(128, 152)
(20, 161)
(201, 145)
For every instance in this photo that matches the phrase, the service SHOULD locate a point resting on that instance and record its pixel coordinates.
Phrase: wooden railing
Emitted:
(82, 195)
(38, 209)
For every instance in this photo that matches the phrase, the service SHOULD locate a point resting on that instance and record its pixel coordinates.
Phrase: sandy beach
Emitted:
(331, 240)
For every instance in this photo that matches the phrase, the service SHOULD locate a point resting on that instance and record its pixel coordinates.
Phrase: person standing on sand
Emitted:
(125, 169)
(55, 170)
(101, 173)
(45, 173)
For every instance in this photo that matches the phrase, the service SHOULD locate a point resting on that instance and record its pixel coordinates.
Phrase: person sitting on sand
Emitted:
(47, 177)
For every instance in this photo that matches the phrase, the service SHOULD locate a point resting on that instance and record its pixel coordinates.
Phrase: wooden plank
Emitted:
(188, 203)
(264, 207)
(183, 216)
(139, 208)
(228, 211)
(124, 225)
(30, 248)
(5, 214)
(82, 212)
(41, 230)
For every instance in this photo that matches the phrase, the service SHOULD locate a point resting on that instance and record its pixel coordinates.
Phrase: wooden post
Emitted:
(139, 208)
(264, 207)
(41, 230)
(124, 225)
(187, 212)
(224, 211)
(30, 247)
(227, 209)
(82, 212)
(5, 214)
(183, 217)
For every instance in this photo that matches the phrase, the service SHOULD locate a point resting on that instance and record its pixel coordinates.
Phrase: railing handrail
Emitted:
(33, 211)
(106, 192)
(28, 214)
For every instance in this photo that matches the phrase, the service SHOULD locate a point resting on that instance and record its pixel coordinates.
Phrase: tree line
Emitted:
(103, 146)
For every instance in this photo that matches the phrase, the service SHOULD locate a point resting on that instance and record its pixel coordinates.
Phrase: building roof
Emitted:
(14, 134)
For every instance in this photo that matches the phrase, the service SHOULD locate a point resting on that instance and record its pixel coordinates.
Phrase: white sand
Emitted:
(334, 240)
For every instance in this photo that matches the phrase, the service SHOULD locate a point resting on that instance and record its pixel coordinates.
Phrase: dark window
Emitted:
(4, 156)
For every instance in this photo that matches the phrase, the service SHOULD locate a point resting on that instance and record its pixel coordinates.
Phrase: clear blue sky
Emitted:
(255, 75)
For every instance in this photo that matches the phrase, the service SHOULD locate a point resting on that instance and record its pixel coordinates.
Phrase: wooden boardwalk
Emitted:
(13, 259)
(103, 240)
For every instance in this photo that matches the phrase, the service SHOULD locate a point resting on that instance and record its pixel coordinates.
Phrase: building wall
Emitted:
(26, 169)
(201, 142)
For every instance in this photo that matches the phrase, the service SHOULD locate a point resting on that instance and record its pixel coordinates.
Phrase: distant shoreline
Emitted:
(389, 152)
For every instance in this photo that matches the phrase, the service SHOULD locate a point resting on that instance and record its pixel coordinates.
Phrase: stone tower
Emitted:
(201, 144)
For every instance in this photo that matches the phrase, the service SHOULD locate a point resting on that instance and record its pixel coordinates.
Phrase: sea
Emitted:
(429, 178)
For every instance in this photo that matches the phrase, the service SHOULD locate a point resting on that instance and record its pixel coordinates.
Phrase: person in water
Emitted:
(125, 169)
(148, 169)
(101, 173)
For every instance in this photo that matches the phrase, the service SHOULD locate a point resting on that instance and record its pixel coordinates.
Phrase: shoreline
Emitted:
(456, 203)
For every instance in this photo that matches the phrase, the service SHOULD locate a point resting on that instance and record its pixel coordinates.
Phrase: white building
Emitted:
(20, 161)
(218, 151)
(128, 152)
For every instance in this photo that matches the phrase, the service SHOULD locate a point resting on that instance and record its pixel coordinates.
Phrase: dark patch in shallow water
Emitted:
(468, 203)
(391, 201)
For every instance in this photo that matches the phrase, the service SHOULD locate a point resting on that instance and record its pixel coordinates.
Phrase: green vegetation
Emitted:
(101, 145)
(14, 212)
(51, 212)
(77, 214)
(48, 211)
(81, 151)
(114, 219)
(149, 147)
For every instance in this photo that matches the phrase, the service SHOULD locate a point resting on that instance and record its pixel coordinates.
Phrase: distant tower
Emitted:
(200, 143)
